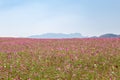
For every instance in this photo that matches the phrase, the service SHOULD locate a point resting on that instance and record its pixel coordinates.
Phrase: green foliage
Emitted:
(86, 67)
(62, 60)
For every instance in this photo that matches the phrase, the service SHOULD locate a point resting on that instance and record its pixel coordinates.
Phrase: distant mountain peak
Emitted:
(57, 35)
(109, 35)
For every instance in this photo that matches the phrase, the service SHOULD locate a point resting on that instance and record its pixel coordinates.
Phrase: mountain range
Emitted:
(57, 35)
(73, 35)
(109, 36)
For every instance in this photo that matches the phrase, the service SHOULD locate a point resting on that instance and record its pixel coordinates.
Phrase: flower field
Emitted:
(60, 59)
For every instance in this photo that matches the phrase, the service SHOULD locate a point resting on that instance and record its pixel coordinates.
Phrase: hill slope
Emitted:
(109, 36)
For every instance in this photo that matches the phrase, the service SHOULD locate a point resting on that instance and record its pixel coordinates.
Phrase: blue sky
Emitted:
(88, 17)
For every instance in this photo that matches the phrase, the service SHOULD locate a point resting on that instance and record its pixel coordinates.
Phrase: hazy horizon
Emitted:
(23, 18)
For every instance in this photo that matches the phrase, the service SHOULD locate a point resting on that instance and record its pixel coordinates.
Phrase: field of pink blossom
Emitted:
(60, 59)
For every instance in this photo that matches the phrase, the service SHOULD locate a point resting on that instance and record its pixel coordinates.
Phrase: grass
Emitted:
(59, 65)
(23, 66)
